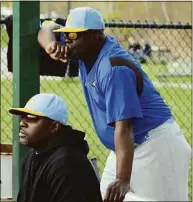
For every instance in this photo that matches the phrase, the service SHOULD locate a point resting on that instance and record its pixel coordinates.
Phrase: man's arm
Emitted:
(124, 147)
(46, 34)
(122, 105)
(48, 41)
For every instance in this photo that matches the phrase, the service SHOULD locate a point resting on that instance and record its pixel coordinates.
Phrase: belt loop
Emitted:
(147, 136)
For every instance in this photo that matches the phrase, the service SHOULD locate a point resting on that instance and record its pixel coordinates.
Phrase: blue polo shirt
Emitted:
(111, 96)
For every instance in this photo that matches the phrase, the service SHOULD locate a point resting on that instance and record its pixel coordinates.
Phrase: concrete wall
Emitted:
(6, 176)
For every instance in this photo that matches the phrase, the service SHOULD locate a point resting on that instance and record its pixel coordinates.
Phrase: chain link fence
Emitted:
(165, 53)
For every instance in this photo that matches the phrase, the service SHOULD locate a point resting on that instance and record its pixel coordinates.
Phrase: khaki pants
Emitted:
(160, 166)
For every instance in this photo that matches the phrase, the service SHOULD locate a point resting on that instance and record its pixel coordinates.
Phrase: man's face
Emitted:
(34, 131)
(80, 44)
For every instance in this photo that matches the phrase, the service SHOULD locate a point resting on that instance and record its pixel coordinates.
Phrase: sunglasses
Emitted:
(72, 35)
(76, 35)
(33, 117)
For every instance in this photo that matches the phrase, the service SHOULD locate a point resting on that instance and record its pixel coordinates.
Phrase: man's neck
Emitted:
(43, 146)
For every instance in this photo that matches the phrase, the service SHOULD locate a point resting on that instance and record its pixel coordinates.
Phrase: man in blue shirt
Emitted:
(129, 115)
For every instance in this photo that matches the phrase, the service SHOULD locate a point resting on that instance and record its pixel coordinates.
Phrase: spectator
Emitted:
(140, 51)
(146, 47)
(133, 45)
(56, 169)
(146, 51)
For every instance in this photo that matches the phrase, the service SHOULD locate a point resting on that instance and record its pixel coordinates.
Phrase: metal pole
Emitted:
(68, 7)
(25, 73)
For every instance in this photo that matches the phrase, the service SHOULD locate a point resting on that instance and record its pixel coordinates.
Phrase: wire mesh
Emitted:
(167, 62)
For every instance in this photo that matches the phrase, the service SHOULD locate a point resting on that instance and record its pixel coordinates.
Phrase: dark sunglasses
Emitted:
(33, 117)
(76, 35)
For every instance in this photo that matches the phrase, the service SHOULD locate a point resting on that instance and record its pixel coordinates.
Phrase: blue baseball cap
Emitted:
(81, 19)
(45, 105)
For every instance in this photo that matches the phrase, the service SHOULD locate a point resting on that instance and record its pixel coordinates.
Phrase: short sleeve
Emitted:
(122, 101)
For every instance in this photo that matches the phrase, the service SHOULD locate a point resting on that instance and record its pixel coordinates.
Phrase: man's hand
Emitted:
(124, 147)
(116, 191)
(56, 51)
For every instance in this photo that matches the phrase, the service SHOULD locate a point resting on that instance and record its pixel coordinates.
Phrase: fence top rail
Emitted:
(130, 24)
(152, 25)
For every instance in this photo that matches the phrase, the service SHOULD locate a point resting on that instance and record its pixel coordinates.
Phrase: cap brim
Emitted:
(21, 111)
(65, 29)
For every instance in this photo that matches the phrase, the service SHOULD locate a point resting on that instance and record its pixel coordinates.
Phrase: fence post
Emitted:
(25, 73)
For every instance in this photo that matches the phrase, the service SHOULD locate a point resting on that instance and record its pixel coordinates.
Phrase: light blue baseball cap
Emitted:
(45, 105)
(81, 19)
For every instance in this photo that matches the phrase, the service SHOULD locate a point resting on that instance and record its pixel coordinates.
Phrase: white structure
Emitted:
(180, 67)
(6, 11)
(6, 176)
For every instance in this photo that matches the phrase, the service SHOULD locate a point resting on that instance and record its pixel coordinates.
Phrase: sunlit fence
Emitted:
(167, 61)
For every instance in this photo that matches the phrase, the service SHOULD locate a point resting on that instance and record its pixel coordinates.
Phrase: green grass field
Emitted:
(4, 38)
(70, 89)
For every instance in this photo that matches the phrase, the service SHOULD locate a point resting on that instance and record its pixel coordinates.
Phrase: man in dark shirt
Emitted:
(57, 168)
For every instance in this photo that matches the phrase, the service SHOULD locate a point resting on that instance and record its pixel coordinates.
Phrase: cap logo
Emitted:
(93, 83)
(69, 19)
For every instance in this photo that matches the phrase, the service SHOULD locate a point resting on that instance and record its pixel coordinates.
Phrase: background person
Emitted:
(139, 50)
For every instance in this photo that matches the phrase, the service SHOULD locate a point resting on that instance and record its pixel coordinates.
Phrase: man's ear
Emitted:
(55, 127)
(97, 36)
